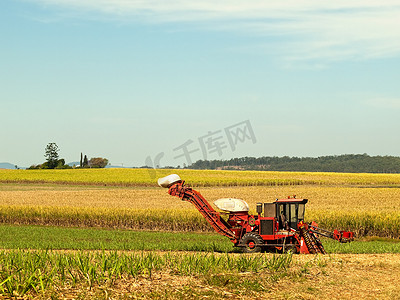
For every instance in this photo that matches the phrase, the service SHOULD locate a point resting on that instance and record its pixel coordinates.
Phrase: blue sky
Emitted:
(127, 80)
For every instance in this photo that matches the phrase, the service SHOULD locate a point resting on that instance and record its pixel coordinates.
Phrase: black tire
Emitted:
(290, 249)
(250, 241)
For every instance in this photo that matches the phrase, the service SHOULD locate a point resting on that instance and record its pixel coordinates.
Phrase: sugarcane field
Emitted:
(85, 239)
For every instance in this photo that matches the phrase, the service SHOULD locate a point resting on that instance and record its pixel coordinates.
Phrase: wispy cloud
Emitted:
(307, 30)
(384, 103)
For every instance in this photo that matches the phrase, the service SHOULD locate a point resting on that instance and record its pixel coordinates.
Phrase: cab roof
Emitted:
(292, 200)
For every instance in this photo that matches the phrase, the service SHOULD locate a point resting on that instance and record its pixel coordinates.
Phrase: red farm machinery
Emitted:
(278, 226)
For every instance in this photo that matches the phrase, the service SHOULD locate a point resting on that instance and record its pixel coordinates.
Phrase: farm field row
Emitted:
(174, 275)
(333, 198)
(50, 237)
(362, 223)
(148, 177)
(367, 211)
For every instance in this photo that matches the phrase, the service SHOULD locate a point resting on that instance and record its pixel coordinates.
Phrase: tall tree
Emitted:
(51, 154)
(81, 163)
(85, 162)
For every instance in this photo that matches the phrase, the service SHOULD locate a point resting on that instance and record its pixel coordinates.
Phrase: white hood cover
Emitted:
(232, 204)
(167, 181)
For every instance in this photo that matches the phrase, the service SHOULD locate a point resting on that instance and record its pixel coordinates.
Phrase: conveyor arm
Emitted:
(179, 189)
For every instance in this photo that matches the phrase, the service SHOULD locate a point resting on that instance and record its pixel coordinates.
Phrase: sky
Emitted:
(166, 83)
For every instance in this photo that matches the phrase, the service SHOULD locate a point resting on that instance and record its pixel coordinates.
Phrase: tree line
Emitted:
(347, 163)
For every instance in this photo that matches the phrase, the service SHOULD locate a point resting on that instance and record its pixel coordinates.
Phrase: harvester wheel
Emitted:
(250, 241)
(291, 248)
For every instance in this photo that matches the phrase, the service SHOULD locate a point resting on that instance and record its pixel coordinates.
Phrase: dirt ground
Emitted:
(361, 276)
(345, 276)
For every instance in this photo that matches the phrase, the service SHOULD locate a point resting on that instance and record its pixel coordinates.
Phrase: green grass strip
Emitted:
(42, 237)
(378, 245)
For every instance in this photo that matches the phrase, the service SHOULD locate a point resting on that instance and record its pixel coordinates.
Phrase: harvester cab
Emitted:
(289, 212)
(278, 226)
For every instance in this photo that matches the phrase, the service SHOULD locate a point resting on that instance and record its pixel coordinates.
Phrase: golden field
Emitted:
(368, 204)
(329, 198)
(148, 177)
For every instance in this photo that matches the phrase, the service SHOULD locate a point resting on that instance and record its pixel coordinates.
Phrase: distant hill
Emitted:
(6, 165)
(74, 163)
(118, 167)
(347, 163)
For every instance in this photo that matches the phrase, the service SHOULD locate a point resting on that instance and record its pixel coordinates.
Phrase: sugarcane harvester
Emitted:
(278, 226)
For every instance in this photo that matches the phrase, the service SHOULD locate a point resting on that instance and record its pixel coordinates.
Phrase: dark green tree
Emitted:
(85, 162)
(51, 154)
(81, 163)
